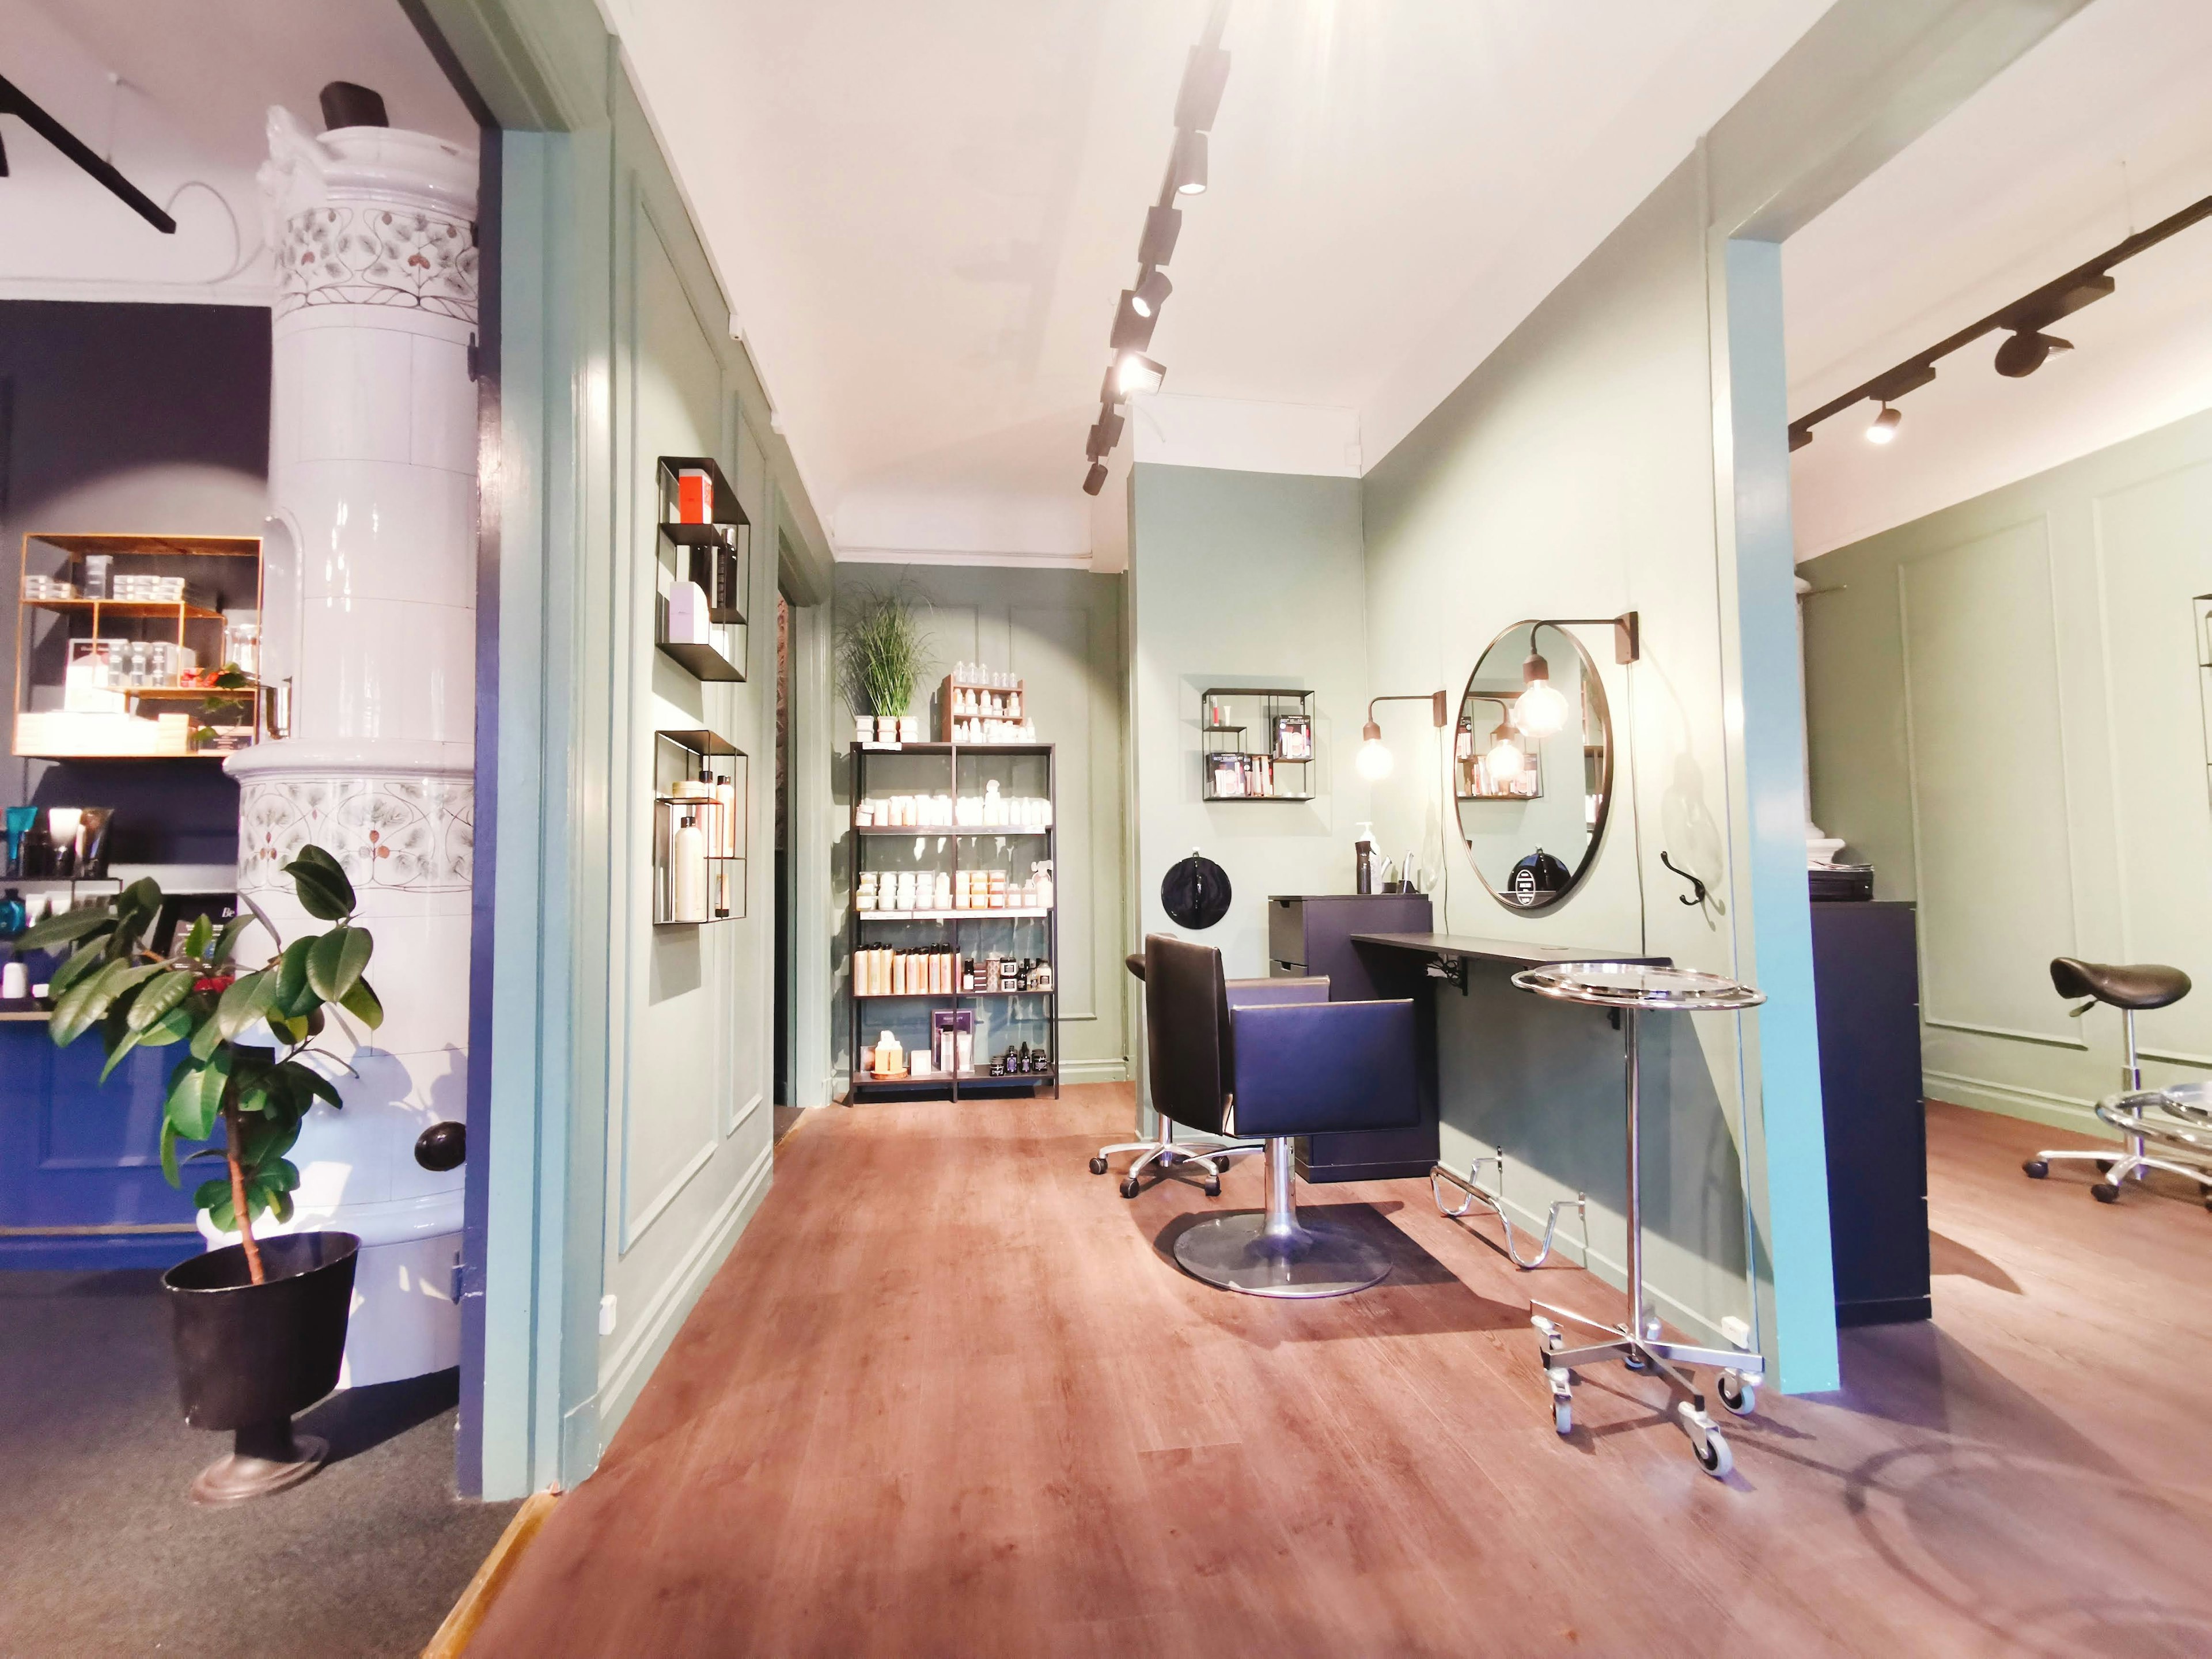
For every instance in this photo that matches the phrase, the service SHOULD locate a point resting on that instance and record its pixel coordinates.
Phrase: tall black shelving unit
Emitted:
(866, 928)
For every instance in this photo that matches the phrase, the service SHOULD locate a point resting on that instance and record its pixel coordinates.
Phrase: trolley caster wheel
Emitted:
(1098, 1164)
(1129, 1187)
(1212, 1188)
(2035, 1168)
(2105, 1193)
(1707, 1444)
(1739, 1394)
(1563, 1417)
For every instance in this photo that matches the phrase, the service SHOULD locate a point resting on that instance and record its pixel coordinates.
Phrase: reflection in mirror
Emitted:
(1532, 765)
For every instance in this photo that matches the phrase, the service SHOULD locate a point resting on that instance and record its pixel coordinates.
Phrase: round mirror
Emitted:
(1532, 765)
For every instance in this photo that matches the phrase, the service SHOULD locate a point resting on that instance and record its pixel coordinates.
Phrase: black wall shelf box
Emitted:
(679, 757)
(1274, 770)
(717, 555)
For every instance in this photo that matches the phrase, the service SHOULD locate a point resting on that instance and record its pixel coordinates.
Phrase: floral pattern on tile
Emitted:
(406, 834)
(368, 255)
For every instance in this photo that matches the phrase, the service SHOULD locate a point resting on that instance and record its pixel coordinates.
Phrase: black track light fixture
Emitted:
(2022, 353)
(1188, 169)
(15, 101)
(1133, 371)
(1163, 224)
(1105, 433)
(1095, 480)
(1151, 292)
(2025, 319)
(1133, 324)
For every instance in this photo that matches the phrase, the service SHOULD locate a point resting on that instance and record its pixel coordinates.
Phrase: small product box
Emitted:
(694, 496)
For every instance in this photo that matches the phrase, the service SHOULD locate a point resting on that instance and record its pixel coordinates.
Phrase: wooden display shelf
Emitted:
(153, 546)
(128, 608)
(1032, 914)
(948, 828)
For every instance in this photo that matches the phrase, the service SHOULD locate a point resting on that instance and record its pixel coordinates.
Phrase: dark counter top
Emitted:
(1527, 954)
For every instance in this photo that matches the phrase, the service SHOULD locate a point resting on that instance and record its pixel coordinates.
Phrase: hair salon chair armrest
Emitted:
(1324, 1067)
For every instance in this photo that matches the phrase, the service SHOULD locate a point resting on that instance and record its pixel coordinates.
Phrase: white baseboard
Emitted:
(1113, 1070)
(671, 1303)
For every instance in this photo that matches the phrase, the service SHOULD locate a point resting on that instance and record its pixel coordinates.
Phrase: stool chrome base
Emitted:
(1272, 1253)
(1741, 1375)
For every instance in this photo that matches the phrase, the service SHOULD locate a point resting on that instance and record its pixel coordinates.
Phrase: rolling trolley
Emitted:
(1629, 990)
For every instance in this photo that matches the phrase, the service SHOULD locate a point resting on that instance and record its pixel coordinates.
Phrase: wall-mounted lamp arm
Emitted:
(1435, 700)
(15, 101)
(1627, 632)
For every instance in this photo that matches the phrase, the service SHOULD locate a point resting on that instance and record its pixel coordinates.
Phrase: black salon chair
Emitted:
(2130, 988)
(1164, 1154)
(1274, 1060)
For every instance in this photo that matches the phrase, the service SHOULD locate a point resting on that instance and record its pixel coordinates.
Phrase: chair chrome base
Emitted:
(1271, 1252)
(1167, 1155)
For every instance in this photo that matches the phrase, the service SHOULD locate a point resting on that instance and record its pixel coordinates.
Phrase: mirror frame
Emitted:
(1603, 705)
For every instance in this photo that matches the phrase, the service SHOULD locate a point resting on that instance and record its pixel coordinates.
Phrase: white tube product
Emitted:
(687, 872)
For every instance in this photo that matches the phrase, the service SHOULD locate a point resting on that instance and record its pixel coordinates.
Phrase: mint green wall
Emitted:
(1062, 630)
(2007, 718)
(629, 1067)
(1254, 579)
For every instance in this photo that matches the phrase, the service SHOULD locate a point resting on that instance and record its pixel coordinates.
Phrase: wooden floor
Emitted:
(948, 1397)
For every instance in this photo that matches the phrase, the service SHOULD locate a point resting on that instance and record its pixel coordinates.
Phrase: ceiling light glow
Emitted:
(1151, 292)
(1884, 425)
(1134, 373)
(1189, 168)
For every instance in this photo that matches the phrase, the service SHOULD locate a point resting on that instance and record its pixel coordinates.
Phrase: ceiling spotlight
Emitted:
(1884, 427)
(1095, 480)
(1151, 292)
(1135, 373)
(2022, 353)
(1161, 226)
(1132, 324)
(1188, 168)
(1104, 434)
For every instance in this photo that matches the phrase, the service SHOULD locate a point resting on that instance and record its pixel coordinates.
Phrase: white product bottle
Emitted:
(687, 872)
(725, 793)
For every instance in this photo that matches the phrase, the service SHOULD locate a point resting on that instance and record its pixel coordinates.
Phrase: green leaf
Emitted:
(246, 999)
(79, 963)
(196, 1089)
(313, 1082)
(169, 1028)
(169, 1154)
(196, 941)
(60, 929)
(227, 941)
(324, 892)
(335, 961)
(294, 995)
(221, 1213)
(159, 996)
(87, 1001)
(136, 909)
(173, 1027)
(361, 1003)
(209, 1194)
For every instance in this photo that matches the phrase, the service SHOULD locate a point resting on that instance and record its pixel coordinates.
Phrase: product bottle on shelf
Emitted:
(687, 882)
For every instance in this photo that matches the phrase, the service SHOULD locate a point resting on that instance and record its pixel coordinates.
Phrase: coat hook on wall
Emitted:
(1696, 887)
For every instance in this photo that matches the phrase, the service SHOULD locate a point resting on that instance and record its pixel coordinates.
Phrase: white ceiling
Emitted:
(177, 94)
(2103, 129)
(924, 214)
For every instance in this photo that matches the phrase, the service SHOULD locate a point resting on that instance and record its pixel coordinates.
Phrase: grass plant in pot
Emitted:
(260, 1325)
(882, 658)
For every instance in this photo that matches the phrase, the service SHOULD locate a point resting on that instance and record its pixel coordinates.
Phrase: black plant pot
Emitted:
(249, 1355)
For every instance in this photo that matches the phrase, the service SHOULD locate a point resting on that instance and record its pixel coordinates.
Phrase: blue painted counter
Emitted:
(81, 1185)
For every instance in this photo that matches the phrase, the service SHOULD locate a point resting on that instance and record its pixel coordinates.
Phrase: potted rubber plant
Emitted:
(882, 658)
(259, 1326)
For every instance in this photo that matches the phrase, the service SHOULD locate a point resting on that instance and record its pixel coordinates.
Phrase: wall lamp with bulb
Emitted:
(1374, 759)
(2027, 347)
(1505, 757)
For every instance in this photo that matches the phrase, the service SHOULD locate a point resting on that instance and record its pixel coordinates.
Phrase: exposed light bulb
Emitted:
(1884, 427)
(1504, 759)
(1374, 760)
(1539, 710)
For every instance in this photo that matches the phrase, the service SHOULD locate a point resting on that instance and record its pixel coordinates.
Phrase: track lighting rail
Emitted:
(2024, 319)
(15, 101)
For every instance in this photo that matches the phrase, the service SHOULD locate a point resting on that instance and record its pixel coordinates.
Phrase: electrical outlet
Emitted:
(606, 1315)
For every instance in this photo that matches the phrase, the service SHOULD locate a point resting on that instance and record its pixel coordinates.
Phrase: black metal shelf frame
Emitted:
(1276, 701)
(728, 528)
(975, 1083)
